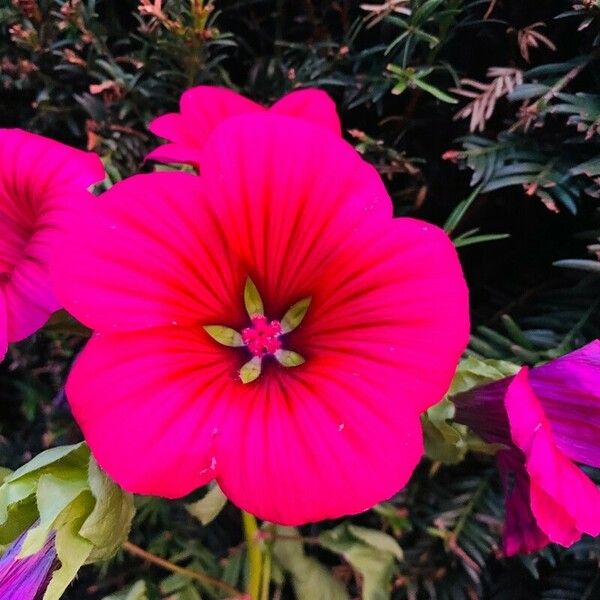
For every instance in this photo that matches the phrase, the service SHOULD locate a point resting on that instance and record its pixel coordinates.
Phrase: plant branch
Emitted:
(169, 566)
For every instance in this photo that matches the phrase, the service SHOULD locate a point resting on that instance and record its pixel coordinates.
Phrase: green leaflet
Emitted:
(370, 552)
(64, 491)
(207, 508)
(310, 579)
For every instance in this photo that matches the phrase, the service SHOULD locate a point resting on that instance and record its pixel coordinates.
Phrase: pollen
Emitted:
(263, 336)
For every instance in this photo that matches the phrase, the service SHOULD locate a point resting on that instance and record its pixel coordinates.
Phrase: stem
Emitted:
(169, 566)
(470, 507)
(266, 577)
(255, 558)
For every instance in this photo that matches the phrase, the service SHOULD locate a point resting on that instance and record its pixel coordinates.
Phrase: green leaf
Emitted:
(4, 473)
(426, 10)
(436, 92)
(444, 442)
(310, 579)
(288, 358)
(138, 591)
(251, 370)
(374, 564)
(294, 316)
(18, 509)
(72, 550)
(395, 518)
(252, 300)
(377, 539)
(65, 491)
(207, 509)
(582, 264)
(224, 335)
(399, 88)
(591, 168)
(473, 372)
(53, 497)
(459, 212)
(178, 587)
(462, 241)
(112, 506)
(66, 458)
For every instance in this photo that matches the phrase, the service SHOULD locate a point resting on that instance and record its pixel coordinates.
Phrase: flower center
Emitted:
(263, 336)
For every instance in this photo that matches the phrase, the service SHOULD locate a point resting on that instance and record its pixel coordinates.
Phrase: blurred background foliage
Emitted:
(481, 115)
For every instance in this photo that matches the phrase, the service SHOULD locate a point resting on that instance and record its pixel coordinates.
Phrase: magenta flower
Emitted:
(26, 578)
(203, 108)
(267, 324)
(40, 181)
(550, 418)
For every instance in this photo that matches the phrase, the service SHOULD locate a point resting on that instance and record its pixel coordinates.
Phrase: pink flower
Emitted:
(267, 324)
(203, 108)
(550, 419)
(40, 180)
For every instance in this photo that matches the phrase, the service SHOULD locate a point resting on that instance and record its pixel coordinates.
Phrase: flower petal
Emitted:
(563, 499)
(311, 105)
(299, 446)
(149, 253)
(521, 531)
(170, 126)
(307, 217)
(203, 108)
(569, 390)
(41, 182)
(384, 306)
(288, 194)
(30, 299)
(295, 209)
(175, 153)
(26, 578)
(152, 411)
(3, 327)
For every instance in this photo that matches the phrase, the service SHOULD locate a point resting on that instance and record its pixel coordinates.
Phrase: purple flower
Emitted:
(549, 420)
(26, 578)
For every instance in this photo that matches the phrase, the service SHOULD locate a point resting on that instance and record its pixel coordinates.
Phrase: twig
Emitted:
(528, 113)
(169, 566)
(490, 9)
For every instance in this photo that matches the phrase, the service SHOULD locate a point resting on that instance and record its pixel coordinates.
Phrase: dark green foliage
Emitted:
(94, 73)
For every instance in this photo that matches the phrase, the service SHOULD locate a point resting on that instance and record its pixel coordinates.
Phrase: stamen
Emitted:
(263, 336)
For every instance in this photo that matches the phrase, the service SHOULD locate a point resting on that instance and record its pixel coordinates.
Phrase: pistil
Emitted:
(262, 337)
